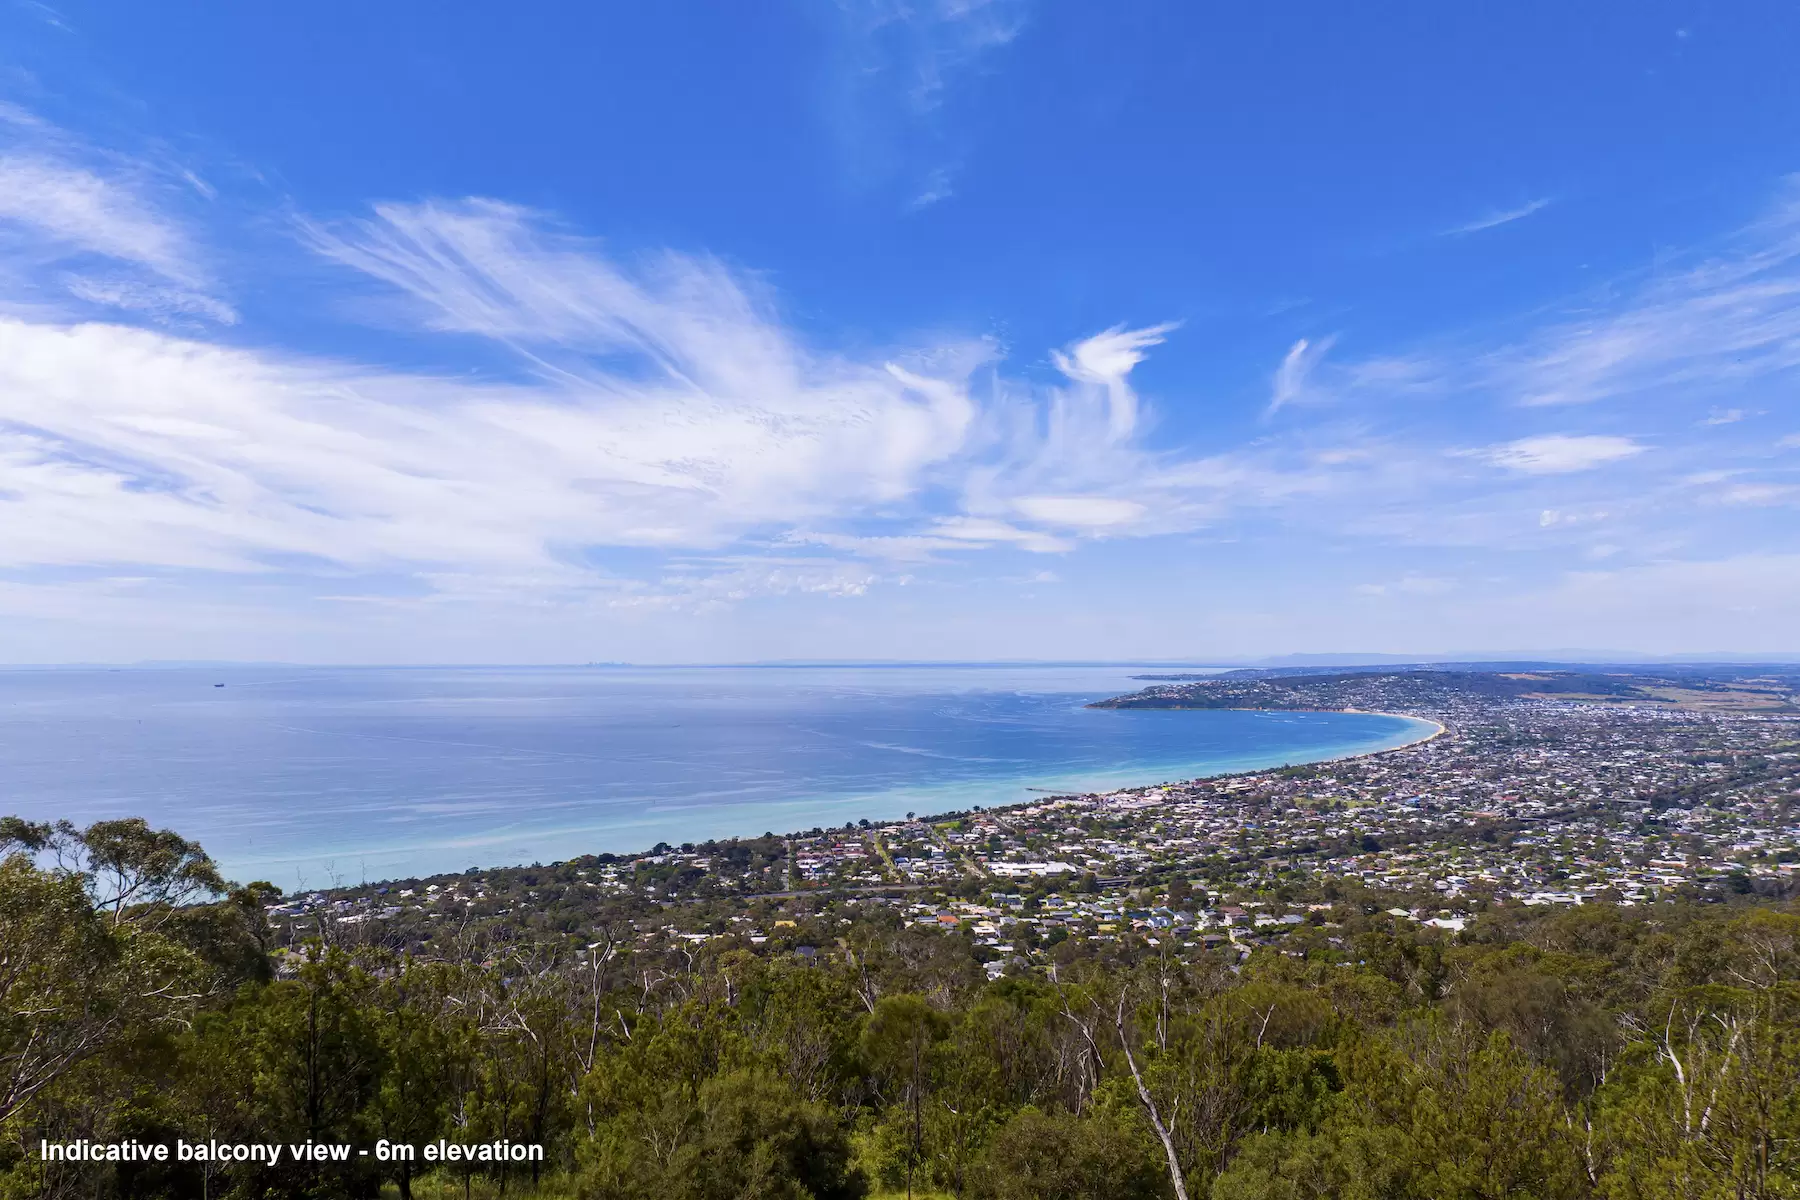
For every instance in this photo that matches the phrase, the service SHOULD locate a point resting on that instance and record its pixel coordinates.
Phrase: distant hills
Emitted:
(1762, 687)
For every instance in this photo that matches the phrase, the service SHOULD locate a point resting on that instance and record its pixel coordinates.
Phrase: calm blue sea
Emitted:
(304, 776)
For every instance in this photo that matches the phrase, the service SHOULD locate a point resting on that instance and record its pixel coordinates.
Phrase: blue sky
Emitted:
(948, 329)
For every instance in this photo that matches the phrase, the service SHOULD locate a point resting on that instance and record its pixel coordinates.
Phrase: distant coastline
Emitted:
(1434, 729)
(1438, 728)
(383, 774)
(949, 801)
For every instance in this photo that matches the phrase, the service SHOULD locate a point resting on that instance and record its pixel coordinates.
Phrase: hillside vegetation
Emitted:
(1592, 1052)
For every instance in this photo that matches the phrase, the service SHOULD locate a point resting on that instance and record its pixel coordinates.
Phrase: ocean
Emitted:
(308, 777)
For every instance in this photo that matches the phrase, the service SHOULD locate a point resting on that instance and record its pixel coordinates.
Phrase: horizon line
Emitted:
(1320, 658)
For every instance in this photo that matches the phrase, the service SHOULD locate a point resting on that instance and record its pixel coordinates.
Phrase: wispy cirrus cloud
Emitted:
(649, 432)
(77, 208)
(1289, 384)
(1759, 494)
(1709, 338)
(897, 68)
(1498, 217)
(1726, 321)
(661, 405)
(75, 221)
(1561, 453)
(926, 44)
(936, 187)
(1705, 331)
(678, 413)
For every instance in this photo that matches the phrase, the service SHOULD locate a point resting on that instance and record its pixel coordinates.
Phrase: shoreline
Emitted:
(1437, 729)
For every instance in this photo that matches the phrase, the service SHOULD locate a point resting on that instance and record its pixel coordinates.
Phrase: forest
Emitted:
(1594, 1051)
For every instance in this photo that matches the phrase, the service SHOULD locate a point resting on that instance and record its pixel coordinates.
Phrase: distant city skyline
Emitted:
(960, 330)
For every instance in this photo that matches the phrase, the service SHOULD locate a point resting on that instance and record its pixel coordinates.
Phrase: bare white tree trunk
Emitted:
(1156, 1121)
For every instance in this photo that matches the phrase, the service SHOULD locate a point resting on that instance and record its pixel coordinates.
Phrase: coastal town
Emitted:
(1531, 789)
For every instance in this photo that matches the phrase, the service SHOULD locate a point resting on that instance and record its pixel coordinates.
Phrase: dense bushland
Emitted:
(1620, 1053)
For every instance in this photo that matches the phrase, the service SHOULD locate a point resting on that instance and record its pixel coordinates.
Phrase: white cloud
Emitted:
(84, 211)
(1081, 512)
(154, 300)
(898, 65)
(1720, 329)
(1562, 518)
(904, 547)
(936, 187)
(686, 374)
(984, 531)
(715, 585)
(1410, 584)
(931, 42)
(1498, 217)
(1074, 457)
(1759, 494)
(96, 233)
(130, 446)
(664, 407)
(1559, 453)
(1290, 378)
(1722, 322)
(655, 436)
(1107, 359)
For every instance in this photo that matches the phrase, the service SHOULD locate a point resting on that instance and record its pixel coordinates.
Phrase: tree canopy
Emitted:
(1598, 1052)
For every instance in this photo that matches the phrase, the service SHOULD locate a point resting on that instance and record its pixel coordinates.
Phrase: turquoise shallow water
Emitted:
(304, 776)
